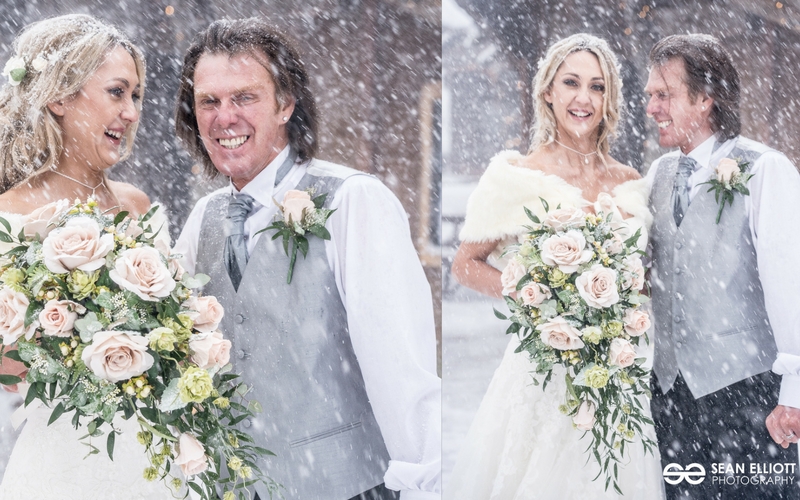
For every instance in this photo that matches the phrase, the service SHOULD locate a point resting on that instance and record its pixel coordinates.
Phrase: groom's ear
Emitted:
(56, 107)
(707, 101)
(288, 109)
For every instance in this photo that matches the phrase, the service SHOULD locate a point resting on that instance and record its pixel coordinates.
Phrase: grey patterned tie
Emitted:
(680, 193)
(235, 253)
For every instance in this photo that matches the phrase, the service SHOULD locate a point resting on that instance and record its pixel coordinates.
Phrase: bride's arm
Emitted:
(10, 367)
(471, 269)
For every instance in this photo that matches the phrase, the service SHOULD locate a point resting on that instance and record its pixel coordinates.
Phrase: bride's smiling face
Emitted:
(576, 96)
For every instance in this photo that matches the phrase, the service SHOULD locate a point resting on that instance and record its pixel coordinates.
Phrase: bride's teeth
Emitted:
(114, 134)
(234, 142)
(664, 124)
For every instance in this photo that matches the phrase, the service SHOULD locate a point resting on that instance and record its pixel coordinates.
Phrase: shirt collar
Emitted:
(702, 153)
(262, 186)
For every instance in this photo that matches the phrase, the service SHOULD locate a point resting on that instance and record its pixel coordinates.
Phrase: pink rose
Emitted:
(533, 294)
(206, 312)
(633, 273)
(116, 356)
(210, 349)
(191, 455)
(598, 286)
(565, 217)
(78, 244)
(294, 204)
(614, 245)
(727, 169)
(512, 273)
(44, 219)
(567, 251)
(141, 271)
(559, 334)
(13, 306)
(621, 353)
(636, 322)
(58, 317)
(585, 420)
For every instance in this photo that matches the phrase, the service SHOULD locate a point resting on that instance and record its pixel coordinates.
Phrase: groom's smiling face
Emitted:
(239, 116)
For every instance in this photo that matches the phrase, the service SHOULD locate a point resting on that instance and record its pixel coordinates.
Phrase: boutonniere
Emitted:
(731, 175)
(301, 215)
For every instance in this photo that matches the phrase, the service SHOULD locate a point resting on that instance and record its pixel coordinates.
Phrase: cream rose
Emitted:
(13, 306)
(191, 455)
(564, 217)
(636, 322)
(44, 219)
(533, 294)
(567, 251)
(116, 356)
(585, 419)
(58, 317)
(141, 271)
(512, 273)
(559, 334)
(78, 244)
(727, 169)
(633, 273)
(206, 312)
(621, 353)
(598, 286)
(614, 245)
(210, 349)
(294, 204)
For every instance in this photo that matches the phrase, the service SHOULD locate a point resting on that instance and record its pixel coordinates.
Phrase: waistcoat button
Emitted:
(246, 422)
(241, 354)
(239, 319)
(678, 245)
(678, 270)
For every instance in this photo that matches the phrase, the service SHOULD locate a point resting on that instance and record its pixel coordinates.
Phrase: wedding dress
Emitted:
(519, 445)
(49, 462)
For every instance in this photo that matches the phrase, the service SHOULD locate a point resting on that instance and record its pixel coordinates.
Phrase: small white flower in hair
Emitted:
(14, 70)
(39, 63)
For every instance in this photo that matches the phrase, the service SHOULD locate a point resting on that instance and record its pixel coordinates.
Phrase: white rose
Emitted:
(559, 334)
(141, 271)
(44, 219)
(13, 306)
(598, 286)
(294, 204)
(727, 169)
(585, 419)
(13, 64)
(633, 273)
(533, 294)
(78, 244)
(58, 317)
(206, 312)
(567, 251)
(191, 455)
(39, 63)
(565, 217)
(116, 356)
(512, 273)
(614, 245)
(210, 350)
(636, 322)
(621, 353)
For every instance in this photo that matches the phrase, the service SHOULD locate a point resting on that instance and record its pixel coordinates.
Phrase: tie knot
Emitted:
(686, 166)
(239, 208)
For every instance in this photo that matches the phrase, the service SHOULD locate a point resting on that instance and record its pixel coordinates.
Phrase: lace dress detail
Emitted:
(519, 446)
(51, 463)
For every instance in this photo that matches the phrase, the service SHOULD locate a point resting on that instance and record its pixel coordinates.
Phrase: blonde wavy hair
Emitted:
(74, 46)
(543, 131)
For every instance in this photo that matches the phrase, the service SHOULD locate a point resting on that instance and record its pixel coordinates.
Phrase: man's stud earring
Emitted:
(285, 118)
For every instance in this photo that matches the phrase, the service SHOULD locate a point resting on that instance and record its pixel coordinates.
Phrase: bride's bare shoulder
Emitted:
(622, 172)
(539, 159)
(133, 199)
(21, 200)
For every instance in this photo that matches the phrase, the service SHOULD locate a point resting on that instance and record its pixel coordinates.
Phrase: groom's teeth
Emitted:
(664, 124)
(234, 142)
(113, 133)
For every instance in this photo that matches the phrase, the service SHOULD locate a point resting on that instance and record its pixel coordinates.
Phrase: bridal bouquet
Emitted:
(573, 288)
(106, 322)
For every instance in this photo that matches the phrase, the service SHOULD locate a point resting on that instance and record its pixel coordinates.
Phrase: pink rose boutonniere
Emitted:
(731, 175)
(300, 214)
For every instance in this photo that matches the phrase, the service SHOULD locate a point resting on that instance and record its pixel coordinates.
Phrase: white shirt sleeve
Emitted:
(186, 244)
(774, 203)
(391, 322)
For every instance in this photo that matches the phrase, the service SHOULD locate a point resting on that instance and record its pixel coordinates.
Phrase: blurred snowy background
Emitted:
(490, 51)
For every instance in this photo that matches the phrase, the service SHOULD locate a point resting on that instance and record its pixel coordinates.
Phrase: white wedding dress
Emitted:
(51, 463)
(520, 446)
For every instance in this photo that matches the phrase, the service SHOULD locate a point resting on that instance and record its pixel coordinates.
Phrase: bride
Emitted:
(520, 446)
(69, 111)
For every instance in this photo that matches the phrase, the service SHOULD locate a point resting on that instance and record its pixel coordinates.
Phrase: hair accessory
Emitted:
(16, 68)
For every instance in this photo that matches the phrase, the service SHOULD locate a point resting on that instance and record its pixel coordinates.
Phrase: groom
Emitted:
(725, 295)
(343, 358)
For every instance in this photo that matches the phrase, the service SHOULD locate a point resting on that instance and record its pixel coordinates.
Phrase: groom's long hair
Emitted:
(257, 38)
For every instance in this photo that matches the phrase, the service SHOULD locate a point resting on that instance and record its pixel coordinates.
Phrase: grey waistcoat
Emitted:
(291, 343)
(708, 304)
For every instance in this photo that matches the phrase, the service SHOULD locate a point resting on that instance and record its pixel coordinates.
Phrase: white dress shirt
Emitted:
(772, 207)
(389, 312)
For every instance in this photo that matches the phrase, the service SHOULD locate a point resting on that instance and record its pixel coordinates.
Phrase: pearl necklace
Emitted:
(585, 155)
(94, 189)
